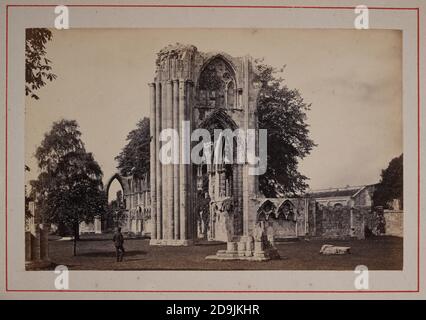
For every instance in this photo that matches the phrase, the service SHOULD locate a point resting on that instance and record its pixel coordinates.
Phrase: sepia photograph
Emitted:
(213, 149)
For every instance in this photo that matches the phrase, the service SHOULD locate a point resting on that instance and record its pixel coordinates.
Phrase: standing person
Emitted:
(118, 242)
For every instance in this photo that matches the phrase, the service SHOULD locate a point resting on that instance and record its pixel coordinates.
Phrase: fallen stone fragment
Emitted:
(329, 249)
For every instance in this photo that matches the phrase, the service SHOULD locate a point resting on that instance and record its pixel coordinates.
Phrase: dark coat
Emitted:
(118, 239)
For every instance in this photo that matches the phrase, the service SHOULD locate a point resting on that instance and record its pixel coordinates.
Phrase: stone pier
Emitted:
(169, 182)
(36, 240)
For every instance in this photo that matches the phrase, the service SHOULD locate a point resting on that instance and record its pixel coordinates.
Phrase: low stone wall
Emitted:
(300, 217)
(285, 216)
(394, 223)
(386, 222)
(283, 228)
(86, 227)
(341, 222)
(91, 227)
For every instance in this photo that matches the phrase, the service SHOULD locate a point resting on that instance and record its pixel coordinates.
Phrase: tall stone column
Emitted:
(165, 183)
(169, 167)
(176, 171)
(190, 190)
(183, 168)
(238, 195)
(246, 187)
(158, 168)
(253, 180)
(250, 182)
(153, 159)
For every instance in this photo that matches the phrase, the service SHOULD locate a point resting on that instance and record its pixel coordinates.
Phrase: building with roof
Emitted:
(347, 196)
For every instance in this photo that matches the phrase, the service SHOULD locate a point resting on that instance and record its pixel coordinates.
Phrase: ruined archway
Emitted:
(118, 206)
(119, 178)
(219, 182)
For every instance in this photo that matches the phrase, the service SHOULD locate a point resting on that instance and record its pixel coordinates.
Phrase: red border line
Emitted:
(6, 139)
(220, 291)
(213, 7)
(418, 149)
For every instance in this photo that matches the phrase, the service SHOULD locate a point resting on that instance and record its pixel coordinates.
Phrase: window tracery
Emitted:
(217, 87)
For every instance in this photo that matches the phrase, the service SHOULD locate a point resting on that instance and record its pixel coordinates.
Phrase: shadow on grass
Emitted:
(109, 254)
(206, 243)
(87, 239)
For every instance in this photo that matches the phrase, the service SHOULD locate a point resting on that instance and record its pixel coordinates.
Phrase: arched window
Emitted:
(231, 95)
(217, 88)
(338, 206)
(266, 210)
(286, 211)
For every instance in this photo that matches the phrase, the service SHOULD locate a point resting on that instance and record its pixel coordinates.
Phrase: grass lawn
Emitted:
(96, 252)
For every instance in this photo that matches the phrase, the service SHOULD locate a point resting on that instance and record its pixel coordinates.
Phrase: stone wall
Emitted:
(394, 223)
(364, 197)
(91, 227)
(341, 222)
(86, 227)
(358, 224)
(288, 218)
(385, 222)
(310, 219)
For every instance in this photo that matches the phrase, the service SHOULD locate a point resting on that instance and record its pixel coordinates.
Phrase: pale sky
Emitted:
(351, 77)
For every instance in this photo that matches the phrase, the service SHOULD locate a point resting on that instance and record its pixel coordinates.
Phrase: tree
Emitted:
(391, 184)
(282, 111)
(69, 187)
(38, 67)
(134, 157)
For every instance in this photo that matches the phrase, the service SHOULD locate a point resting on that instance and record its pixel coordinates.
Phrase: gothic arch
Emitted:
(217, 83)
(286, 210)
(266, 209)
(221, 56)
(220, 117)
(121, 181)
